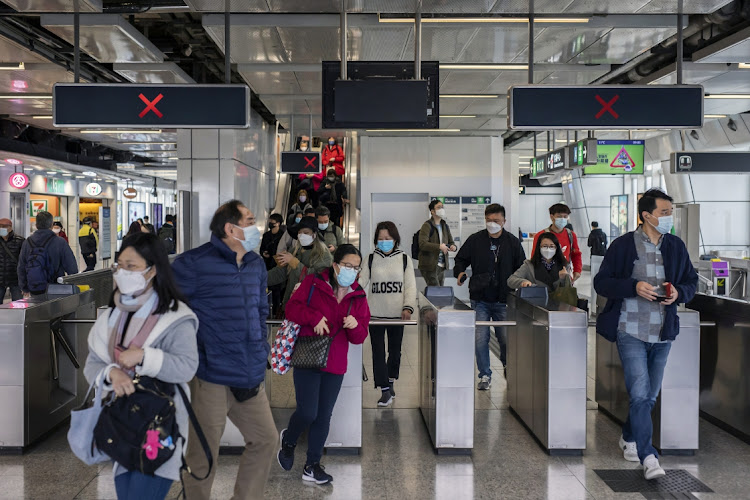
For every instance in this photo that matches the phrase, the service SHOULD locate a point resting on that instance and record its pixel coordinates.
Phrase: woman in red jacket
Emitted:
(338, 308)
(333, 157)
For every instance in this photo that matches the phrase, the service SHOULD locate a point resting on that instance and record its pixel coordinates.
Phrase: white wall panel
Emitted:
(205, 143)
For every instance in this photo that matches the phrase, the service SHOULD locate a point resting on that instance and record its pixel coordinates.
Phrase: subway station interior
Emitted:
(125, 116)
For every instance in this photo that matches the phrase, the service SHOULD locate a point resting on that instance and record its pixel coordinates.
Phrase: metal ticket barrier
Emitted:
(546, 372)
(43, 347)
(446, 379)
(677, 405)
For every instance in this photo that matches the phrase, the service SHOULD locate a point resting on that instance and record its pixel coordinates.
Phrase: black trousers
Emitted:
(382, 369)
(90, 260)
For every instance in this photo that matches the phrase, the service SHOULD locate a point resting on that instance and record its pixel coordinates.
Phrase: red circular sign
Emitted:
(19, 180)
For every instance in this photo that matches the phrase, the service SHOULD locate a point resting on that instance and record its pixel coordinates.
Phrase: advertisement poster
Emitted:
(472, 214)
(105, 232)
(119, 220)
(136, 210)
(618, 157)
(157, 217)
(452, 206)
(618, 218)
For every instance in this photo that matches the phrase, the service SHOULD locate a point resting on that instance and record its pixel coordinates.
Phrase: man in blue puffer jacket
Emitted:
(644, 275)
(224, 282)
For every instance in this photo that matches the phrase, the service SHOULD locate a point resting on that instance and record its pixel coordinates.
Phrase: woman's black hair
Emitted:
(392, 231)
(536, 256)
(152, 249)
(135, 228)
(338, 256)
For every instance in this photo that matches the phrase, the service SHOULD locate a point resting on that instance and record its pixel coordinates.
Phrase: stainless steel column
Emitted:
(677, 404)
(446, 381)
(546, 372)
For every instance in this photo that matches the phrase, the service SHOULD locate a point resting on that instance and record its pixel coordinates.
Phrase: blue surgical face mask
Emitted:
(252, 238)
(346, 276)
(386, 246)
(665, 224)
(297, 219)
(561, 222)
(323, 227)
(331, 143)
(3, 232)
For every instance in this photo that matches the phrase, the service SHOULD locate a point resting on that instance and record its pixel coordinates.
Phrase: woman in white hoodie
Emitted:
(147, 331)
(391, 289)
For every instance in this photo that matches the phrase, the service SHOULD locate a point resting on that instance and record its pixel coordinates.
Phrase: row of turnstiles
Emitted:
(43, 347)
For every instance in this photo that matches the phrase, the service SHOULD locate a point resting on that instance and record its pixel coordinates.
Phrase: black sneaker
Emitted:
(386, 398)
(316, 473)
(285, 456)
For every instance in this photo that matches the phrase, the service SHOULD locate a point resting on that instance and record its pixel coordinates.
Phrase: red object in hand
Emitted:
(668, 289)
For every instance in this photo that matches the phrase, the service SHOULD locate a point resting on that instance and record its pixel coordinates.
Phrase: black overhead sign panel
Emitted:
(149, 106)
(300, 162)
(601, 107)
(719, 162)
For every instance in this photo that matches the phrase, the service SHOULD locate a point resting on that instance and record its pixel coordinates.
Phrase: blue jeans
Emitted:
(643, 364)
(488, 311)
(316, 393)
(136, 486)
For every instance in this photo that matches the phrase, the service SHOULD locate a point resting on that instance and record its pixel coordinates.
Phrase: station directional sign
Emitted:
(150, 106)
(582, 153)
(602, 107)
(300, 162)
(709, 162)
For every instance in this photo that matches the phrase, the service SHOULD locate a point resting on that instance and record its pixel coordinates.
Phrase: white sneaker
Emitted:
(652, 469)
(484, 383)
(630, 450)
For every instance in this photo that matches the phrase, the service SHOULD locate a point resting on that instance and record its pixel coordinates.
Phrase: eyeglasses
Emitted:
(127, 267)
(349, 266)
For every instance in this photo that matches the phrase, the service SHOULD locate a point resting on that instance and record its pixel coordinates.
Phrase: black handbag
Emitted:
(311, 352)
(140, 431)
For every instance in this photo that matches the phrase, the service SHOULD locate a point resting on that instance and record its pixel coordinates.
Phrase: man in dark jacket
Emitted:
(643, 276)
(9, 253)
(224, 282)
(597, 240)
(167, 235)
(268, 246)
(332, 195)
(493, 255)
(435, 241)
(44, 258)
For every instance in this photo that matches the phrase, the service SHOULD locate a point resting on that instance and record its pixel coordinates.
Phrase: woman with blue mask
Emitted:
(391, 288)
(327, 303)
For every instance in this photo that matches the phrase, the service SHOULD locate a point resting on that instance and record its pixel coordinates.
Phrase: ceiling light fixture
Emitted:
(173, 158)
(485, 20)
(12, 66)
(26, 96)
(66, 174)
(80, 176)
(469, 96)
(728, 96)
(89, 173)
(415, 130)
(51, 172)
(744, 65)
(470, 67)
(458, 116)
(714, 116)
(103, 131)
(41, 117)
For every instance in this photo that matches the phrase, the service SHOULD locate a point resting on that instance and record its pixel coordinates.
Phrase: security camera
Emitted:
(732, 125)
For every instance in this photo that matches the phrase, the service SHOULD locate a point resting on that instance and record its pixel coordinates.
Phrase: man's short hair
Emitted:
(494, 208)
(169, 218)
(559, 208)
(594, 224)
(322, 212)
(433, 203)
(44, 220)
(648, 202)
(228, 212)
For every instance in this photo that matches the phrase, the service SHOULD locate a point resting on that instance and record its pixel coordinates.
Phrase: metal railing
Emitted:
(495, 323)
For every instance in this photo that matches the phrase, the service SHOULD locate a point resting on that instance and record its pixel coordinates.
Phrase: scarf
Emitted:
(131, 321)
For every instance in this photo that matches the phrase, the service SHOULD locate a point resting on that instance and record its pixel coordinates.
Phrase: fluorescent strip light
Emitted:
(458, 116)
(120, 131)
(67, 175)
(525, 158)
(470, 67)
(173, 158)
(485, 20)
(469, 96)
(12, 66)
(714, 116)
(415, 130)
(728, 96)
(41, 117)
(744, 65)
(26, 96)
(561, 141)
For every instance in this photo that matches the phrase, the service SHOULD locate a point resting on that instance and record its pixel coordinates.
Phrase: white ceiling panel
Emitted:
(726, 106)
(272, 82)
(560, 44)
(689, 6)
(358, 6)
(496, 44)
(54, 5)
(495, 124)
(506, 79)
(11, 52)
(728, 83)
(282, 106)
(732, 49)
(622, 44)
(573, 77)
(454, 106)
(378, 43)
(467, 82)
(108, 38)
(485, 107)
(444, 44)
(167, 72)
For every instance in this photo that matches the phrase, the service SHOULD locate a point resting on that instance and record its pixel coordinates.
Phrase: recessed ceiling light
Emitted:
(714, 116)
(12, 66)
(728, 96)
(25, 96)
(138, 182)
(28, 169)
(744, 65)
(173, 158)
(51, 172)
(104, 131)
(89, 173)
(41, 117)
(67, 174)
(80, 176)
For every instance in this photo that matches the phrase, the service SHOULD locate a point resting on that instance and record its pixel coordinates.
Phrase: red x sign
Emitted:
(310, 162)
(607, 106)
(151, 106)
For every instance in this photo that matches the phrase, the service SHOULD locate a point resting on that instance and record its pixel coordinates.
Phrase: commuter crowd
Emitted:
(194, 333)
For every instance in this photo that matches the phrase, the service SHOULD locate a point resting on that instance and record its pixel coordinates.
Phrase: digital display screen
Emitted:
(618, 157)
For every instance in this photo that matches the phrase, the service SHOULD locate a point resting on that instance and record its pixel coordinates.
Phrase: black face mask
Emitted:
(272, 226)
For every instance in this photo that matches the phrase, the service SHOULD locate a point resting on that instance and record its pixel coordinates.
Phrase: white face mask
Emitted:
(440, 212)
(305, 239)
(493, 227)
(548, 253)
(56, 230)
(131, 283)
(665, 224)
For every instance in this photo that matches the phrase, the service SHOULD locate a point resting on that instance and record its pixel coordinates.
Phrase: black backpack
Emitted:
(369, 262)
(166, 235)
(39, 271)
(415, 240)
(140, 431)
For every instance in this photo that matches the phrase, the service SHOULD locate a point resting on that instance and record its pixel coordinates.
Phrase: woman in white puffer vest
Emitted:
(388, 278)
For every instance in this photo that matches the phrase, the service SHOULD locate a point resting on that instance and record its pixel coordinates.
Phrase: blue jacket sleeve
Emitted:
(607, 283)
(69, 263)
(21, 270)
(184, 275)
(263, 298)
